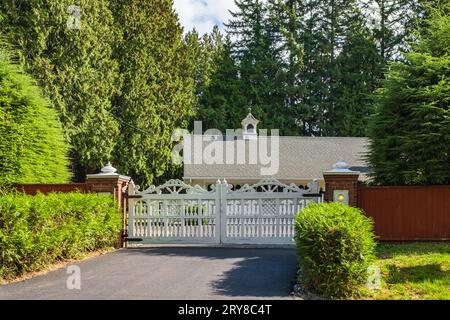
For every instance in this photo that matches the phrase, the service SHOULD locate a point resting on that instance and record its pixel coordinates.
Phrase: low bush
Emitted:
(335, 247)
(36, 231)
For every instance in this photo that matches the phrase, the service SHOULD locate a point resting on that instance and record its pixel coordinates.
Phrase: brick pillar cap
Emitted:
(107, 176)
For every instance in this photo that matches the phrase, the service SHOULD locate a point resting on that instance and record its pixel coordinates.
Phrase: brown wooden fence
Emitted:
(408, 213)
(32, 189)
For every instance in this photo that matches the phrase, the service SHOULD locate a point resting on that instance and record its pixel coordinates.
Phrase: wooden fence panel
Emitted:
(408, 213)
(32, 189)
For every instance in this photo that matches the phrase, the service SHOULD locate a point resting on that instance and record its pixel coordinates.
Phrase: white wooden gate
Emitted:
(176, 212)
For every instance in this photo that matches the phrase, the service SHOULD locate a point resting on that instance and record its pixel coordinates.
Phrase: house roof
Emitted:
(301, 158)
(249, 119)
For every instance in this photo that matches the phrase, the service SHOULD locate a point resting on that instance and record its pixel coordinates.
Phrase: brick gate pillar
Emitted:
(341, 184)
(109, 181)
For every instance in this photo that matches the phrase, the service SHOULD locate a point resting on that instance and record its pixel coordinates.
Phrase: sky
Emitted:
(203, 14)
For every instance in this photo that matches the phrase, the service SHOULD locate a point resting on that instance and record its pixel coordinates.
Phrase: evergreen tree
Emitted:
(32, 145)
(287, 25)
(410, 133)
(359, 72)
(320, 38)
(157, 92)
(332, 65)
(258, 59)
(310, 89)
(68, 50)
(203, 52)
(222, 104)
(392, 22)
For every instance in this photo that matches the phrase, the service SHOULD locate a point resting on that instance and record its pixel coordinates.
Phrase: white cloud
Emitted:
(203, 14)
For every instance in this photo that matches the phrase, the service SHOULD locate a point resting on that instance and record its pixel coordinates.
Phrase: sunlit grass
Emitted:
(413, 271)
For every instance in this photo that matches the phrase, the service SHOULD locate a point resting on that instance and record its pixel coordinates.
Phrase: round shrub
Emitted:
(335, 246)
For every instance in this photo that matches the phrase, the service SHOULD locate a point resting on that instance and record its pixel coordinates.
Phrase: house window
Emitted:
(250, 128)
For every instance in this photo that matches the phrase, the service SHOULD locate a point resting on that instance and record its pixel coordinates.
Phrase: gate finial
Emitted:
(108, 169)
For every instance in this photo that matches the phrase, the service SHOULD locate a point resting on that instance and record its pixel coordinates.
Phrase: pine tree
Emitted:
(32, 145)
(68, 50)
(410, 133)
(157, 92)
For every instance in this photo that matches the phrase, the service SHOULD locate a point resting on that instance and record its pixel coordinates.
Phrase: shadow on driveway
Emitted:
(244, 272)
(171, 273)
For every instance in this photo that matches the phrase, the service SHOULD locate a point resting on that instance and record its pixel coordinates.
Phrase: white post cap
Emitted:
(341, 167)
(108, 169)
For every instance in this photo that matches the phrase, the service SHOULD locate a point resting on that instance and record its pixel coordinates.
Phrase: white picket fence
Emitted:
(176, 212)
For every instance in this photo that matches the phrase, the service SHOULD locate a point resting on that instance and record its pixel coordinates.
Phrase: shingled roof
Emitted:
(301, 158)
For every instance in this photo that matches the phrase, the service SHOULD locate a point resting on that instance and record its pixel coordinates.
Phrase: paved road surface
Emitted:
(170, 273)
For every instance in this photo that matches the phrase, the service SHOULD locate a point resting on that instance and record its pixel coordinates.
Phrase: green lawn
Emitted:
(413, 271)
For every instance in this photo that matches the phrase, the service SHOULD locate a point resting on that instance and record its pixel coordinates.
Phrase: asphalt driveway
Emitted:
(170, 273)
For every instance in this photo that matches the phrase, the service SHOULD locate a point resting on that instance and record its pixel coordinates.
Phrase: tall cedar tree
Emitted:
(32, 145)
(285, 16)
(222, 103)
(332, 104)
(259, 63)
(203, 50)
(73, 65)
(324, 59)
(317, 40)
(410, 133)
(359, 73)
(157, 92)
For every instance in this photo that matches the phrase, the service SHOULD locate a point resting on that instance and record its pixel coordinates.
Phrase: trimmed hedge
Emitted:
(36, 231)
(32, 144)
(335, 247)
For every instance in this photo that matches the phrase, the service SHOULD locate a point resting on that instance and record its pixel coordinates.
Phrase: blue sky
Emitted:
(203, 14)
